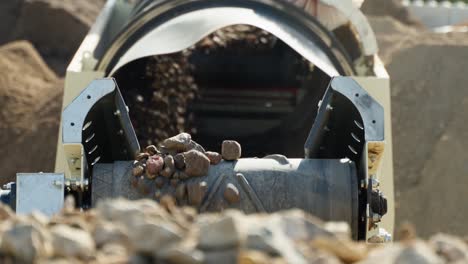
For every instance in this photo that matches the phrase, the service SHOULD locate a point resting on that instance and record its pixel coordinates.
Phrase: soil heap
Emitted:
(429, 104)
(55, 27)
(30, 91)
(31, 100)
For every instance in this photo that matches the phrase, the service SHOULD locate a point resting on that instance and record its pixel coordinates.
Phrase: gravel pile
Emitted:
(159, 107)
(122, 231)
(238, 38)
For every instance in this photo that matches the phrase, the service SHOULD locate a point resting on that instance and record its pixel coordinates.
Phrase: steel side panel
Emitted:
(379, 89)
(42, 192)
(75, 83)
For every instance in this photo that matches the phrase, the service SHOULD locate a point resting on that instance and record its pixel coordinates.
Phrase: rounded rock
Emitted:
(152, 149)
(167, 172)
(72, 242)
(169, 167)
(196, 163)
(160, 182)
(214, 157)
(166, 151)
(181, 192)
(169, 162)
(178, 143)
(231, 194)
(151, 176)
(231, 150)
(26, 242)
(142, 156)
(196, 192)
(179, 161)
(195, 146)
(138, 170)
(154, 165)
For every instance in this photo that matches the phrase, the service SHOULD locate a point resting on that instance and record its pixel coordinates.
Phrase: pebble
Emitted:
(231, 194)
(154, 165)
(120, 229)
(451, 248)
(142, 156)
(109, 233)
(112, 253)
(157, 235)
(169, 167)
(181, 255)
(152, 149)
(169, 162)
(231, 150)
(179, 161)
(138, 170)
(5, 212)
(195, 146)
(221, 233)
(214, 157)
(180, 142)
(418, 252)
(181, 192)
(167, 172)
(160, 182)
(26, 242)
(168, 203)
(346, 250)
(72, 242)
(254, 257)
(196, 192)
(196, 163)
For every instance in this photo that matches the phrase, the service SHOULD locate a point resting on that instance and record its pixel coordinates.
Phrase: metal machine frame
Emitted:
(84, 68)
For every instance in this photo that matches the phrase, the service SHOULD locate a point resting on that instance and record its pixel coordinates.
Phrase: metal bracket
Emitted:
(347, 118)
(96, 128)
(350, 124)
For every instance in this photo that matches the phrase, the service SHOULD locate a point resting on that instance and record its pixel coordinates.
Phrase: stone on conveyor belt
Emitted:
(196, 163)
(231, 150)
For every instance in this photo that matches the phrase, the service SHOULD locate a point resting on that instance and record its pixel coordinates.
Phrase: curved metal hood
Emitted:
(163, 27)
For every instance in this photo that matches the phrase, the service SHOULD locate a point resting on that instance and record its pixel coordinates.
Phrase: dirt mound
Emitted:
(392, 8)
(121, 231)
(30, 96)
(428, 72)
(55, 27)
